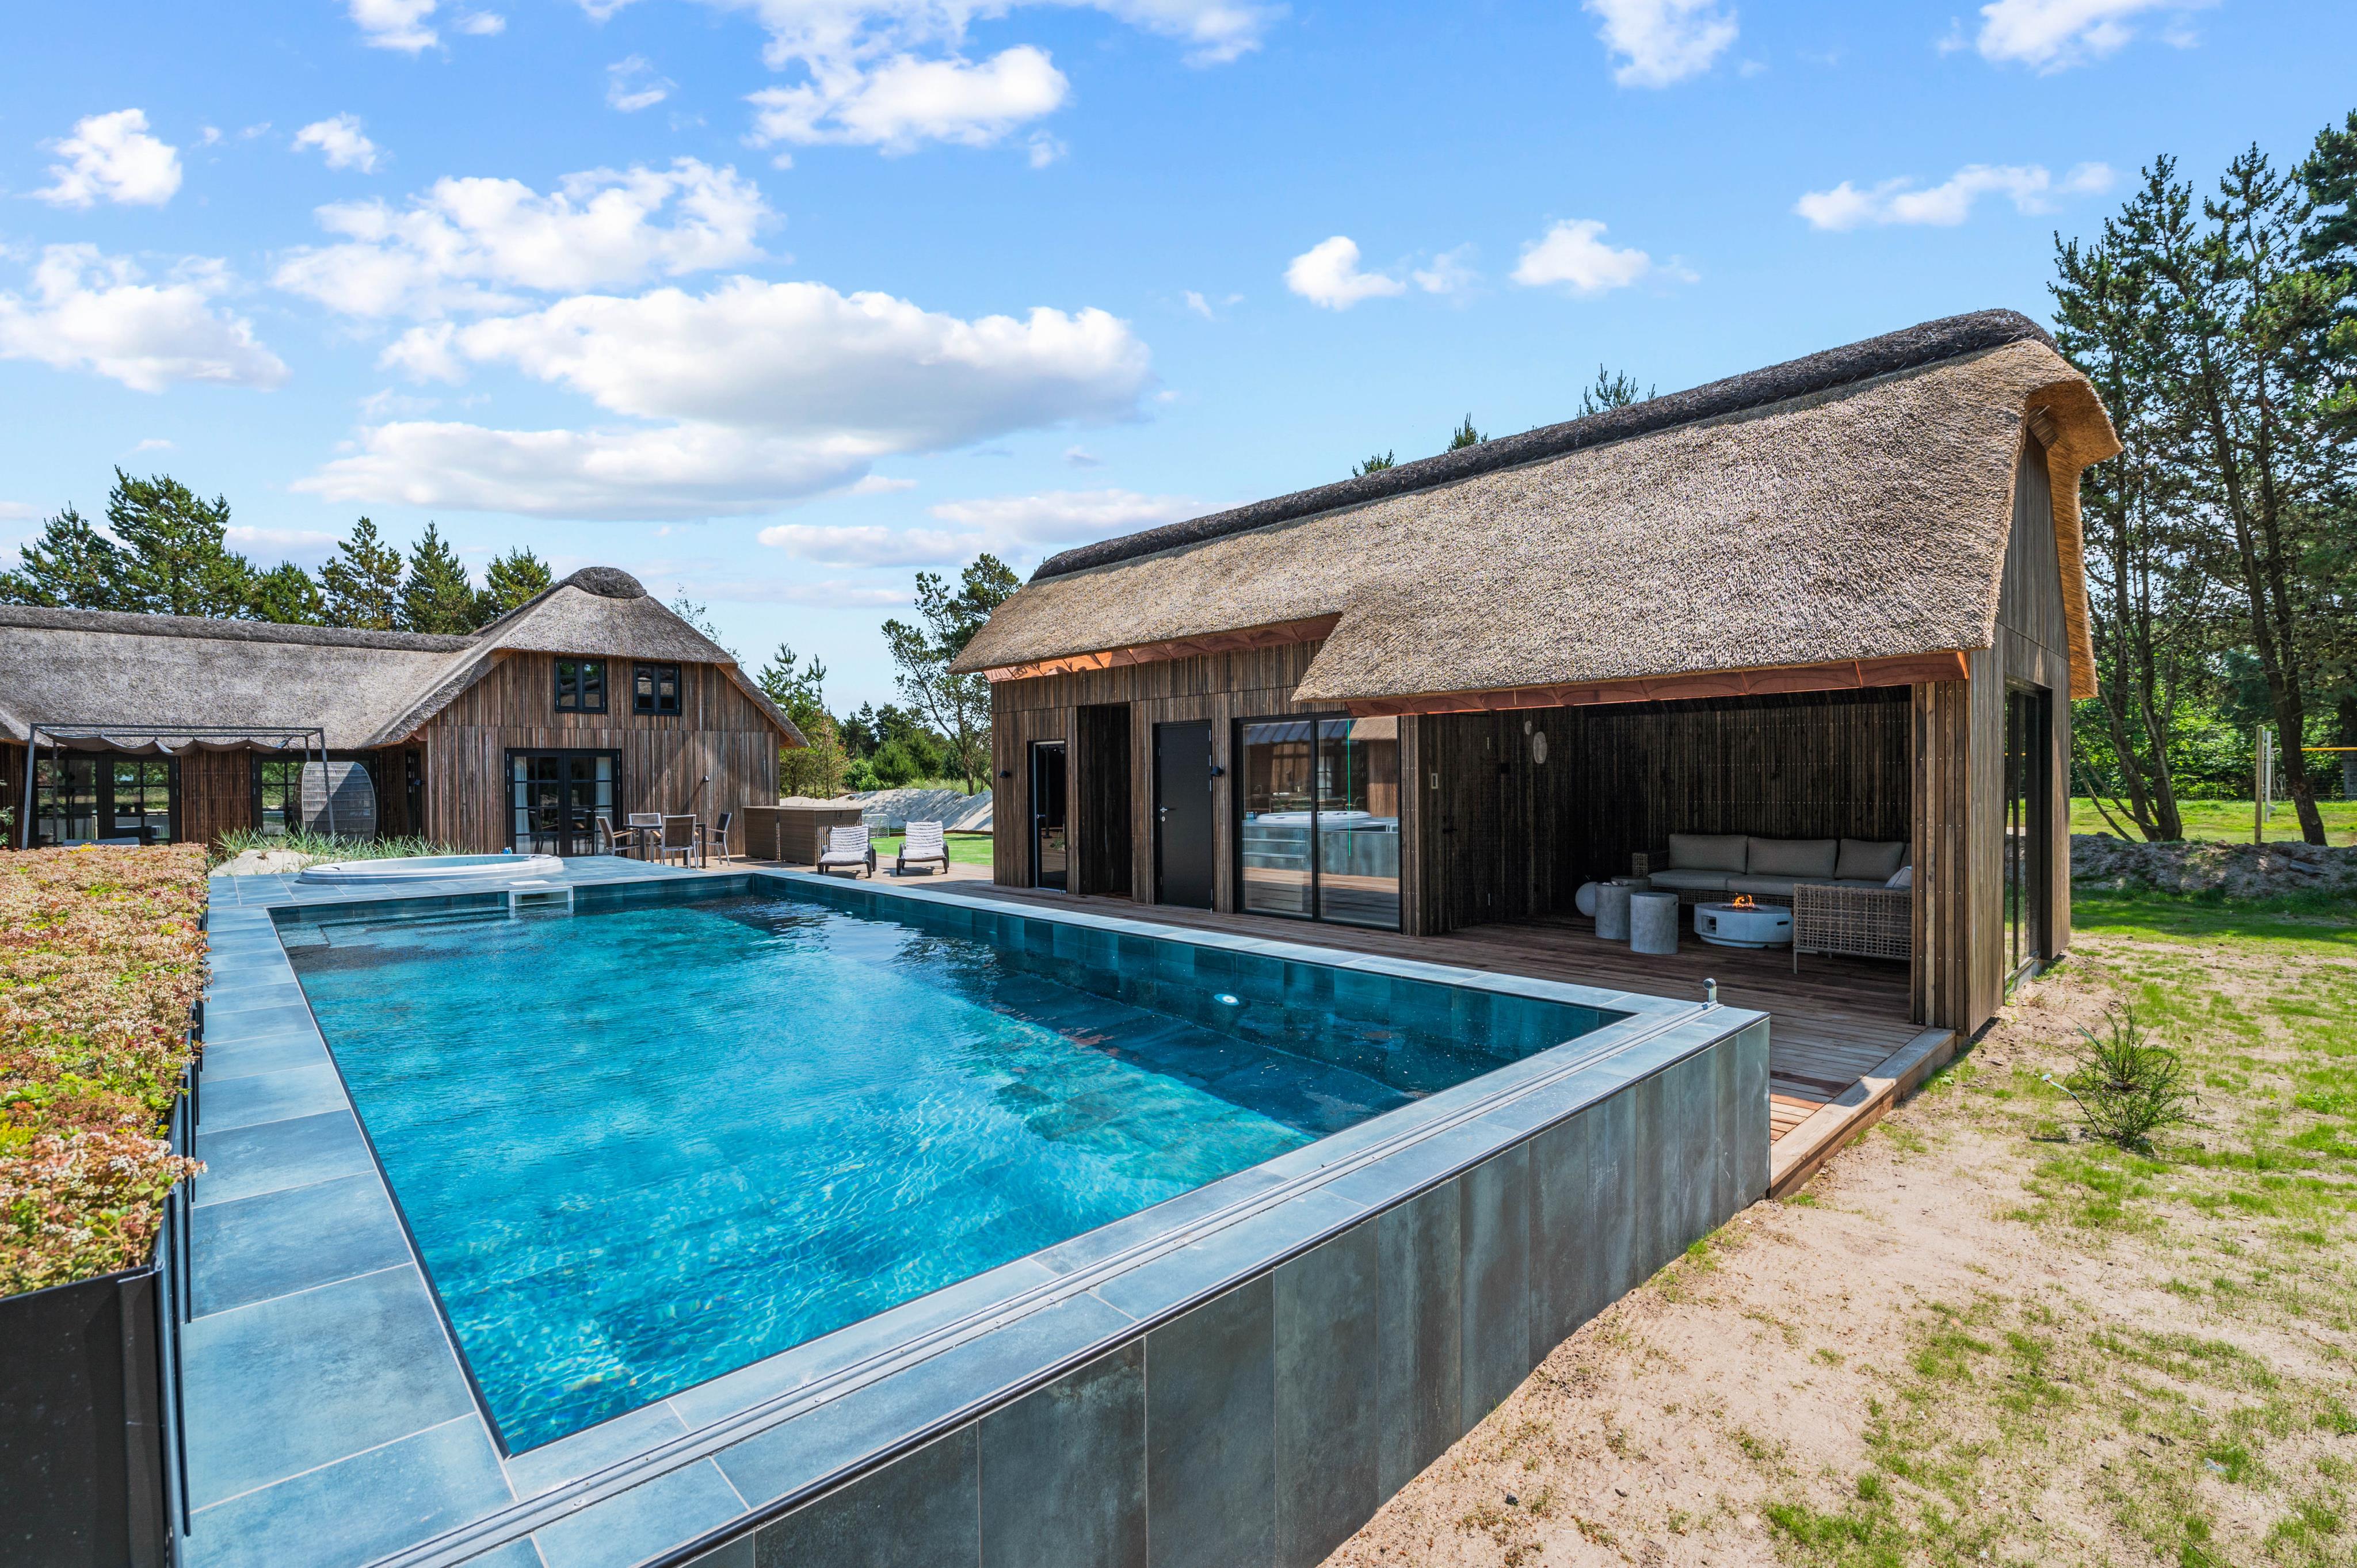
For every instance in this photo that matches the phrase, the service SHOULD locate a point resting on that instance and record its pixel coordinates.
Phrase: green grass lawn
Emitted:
(965, 849)
(2229, 820)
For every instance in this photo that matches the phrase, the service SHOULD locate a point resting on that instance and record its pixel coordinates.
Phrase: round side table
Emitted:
(1653, 922)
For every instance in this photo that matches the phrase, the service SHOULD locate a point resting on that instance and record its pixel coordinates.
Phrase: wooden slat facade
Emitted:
(1490, 834)
(717, 753)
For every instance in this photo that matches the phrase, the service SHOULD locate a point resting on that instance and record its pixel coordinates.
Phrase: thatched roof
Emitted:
(1852, 505)
(364, 689)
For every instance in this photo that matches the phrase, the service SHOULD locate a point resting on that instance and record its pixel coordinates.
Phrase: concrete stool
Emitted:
(1612, 912)
(1653, 922)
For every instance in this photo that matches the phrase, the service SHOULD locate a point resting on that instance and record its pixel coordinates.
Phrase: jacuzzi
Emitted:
(433, 868)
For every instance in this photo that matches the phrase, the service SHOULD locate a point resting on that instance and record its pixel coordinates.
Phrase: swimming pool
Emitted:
(649, 1144)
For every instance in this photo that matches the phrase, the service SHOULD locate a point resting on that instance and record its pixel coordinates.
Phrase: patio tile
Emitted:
(226, 1025)
(1093, 1246)
(873, 1418)
(357, 1510)
(536, 1470)
(222, 1063)
(1203, 1266)
(301, 1380)
(255, 1247)
(268, 1097)
(242, 1161)
(738, 1554)
(642, 1522)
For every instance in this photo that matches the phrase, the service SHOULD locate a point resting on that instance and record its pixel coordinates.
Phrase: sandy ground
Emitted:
(1764, 1375)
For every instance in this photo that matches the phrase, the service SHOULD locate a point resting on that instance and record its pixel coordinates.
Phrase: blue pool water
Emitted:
(647, 1144)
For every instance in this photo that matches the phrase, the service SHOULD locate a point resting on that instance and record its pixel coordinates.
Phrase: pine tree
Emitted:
(438, 596)
(1374, 465)
(1614, 389)
(174, 560)
(287, 595)
(1466, 435)
(509, 581)
(72, 566)
(814, 770)
(363, 581)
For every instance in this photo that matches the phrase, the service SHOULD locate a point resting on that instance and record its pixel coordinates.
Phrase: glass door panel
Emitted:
(2027, 831)
(65, 800)
(1050, 844)
(1358, 821)
(1276, 775)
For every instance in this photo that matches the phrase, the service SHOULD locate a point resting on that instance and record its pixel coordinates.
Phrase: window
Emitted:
(277, 795)
(580, 685)
(555, 798)
(654, 689)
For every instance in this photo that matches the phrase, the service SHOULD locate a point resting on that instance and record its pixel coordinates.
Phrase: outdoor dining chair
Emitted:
(678, 836)
(644, 828)
(718, 837)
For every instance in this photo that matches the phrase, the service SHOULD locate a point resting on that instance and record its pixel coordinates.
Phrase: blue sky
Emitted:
(779, 302)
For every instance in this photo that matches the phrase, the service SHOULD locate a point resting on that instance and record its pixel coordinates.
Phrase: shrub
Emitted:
(99, 959)
(322, 846)
(2126, 1086)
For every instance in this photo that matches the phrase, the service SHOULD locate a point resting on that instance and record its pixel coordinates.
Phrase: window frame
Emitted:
(574, 670)
(653, 704)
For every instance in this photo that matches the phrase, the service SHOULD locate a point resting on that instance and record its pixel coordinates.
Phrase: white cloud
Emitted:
(870, 546)
(632, 85)
(1573, 253)
(1328, 275)
(90, 312)
(877, 485)
(1658, 42)
(1451, 272)
(766, 392)
(1199, 305)
(834, 593)
(906, 101)
(306, 545)
(152, 443)
(17, 511)
(1081, 457)
(894, 74)
(394, 24)
(1061, 516)
(2055, 35)
(465, 243)
(2027, 185)
(341, 141)
(110, 158)
(483, 23)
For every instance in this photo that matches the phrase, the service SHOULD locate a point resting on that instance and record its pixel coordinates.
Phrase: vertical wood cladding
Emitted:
(2033, 649)
(1221, 688)
(717, 753)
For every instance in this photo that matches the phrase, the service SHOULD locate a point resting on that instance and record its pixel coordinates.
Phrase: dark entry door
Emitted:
(1051, 843)
(555, 798)
(1182, 815)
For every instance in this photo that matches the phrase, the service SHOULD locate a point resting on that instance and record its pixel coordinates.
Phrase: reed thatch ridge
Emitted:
(1862, 520)
(363, 689)
(1925, 344)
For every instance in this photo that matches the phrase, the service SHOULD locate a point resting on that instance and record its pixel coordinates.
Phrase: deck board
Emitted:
(1831, 1024)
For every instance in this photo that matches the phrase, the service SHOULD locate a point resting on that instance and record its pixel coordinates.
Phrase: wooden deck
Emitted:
(1841, 1048)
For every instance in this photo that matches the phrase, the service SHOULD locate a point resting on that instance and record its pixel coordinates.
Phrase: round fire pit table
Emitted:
(1744, 925)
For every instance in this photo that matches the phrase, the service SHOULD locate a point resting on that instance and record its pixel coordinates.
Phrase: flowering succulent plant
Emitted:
(100, 956)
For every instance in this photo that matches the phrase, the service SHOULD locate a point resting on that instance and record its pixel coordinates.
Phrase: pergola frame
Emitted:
(313, 737)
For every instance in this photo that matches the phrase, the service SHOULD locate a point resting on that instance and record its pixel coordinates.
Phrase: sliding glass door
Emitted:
(1317, 812)
(97, 799)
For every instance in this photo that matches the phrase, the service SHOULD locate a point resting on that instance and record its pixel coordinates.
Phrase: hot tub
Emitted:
(433, 868)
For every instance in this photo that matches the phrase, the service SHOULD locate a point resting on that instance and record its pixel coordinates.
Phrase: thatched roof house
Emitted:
(1850, 506)
(97, 681)
(1835, 600)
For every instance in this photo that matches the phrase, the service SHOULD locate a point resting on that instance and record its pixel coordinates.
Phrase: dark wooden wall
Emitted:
(2033, 649)
(1103, 791)
(719, 753)
(1495, 845)
(1219, 688)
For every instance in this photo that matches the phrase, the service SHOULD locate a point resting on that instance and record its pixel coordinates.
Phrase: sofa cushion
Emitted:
(1811, 858)
(1691, 881)
(1858, 881)
(1761, 887)
(1869, 860)
(1708, 851)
